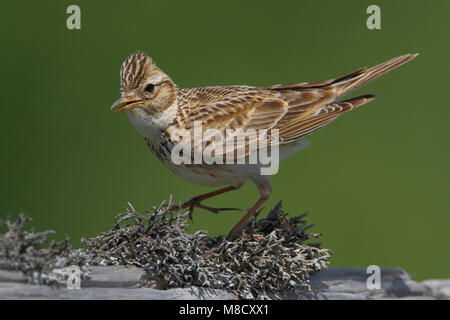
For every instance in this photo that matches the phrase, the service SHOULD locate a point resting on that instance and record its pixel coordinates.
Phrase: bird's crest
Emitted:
(135, 69)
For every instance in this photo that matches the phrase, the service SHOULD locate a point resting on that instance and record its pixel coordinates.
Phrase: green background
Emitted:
(376, 182)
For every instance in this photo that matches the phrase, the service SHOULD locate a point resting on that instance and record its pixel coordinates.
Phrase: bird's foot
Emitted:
(233, 235)
(196, 203)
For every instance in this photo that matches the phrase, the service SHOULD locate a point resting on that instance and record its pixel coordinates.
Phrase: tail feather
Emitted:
(363, 77)
(344, 106)
(352, 80)
(326, 115)
(313, 105)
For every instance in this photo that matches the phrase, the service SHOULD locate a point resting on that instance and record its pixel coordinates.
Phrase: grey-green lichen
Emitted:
(272, 257)
(33, 254)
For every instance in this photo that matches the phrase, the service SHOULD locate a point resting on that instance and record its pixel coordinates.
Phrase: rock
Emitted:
(12, 276)
(23, 291)
(439, 288)
(351, 283)
(124, 282)
(113, 277)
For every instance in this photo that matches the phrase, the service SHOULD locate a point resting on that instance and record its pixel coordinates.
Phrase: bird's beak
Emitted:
(125, 103)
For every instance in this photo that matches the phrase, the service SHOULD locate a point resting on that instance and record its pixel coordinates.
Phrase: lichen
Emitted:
(33, 254)
(271, 257)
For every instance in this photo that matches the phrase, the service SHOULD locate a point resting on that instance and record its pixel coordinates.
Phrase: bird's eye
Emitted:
(149, 88)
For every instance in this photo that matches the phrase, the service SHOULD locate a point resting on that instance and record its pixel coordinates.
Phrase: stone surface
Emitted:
(23, 291)
(113, 277)
(12, 276)
(120, 282)
(351, 283)
(440, 288)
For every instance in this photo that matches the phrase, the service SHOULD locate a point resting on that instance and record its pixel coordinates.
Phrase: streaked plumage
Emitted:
(156, 106)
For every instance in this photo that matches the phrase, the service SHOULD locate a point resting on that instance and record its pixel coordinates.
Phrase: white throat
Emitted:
(151, 127)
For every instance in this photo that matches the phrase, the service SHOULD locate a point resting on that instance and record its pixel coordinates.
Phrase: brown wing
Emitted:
(230, 107)
(294, 109)
(327, 114)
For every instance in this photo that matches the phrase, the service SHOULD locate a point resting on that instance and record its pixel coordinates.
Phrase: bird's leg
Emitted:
(195, 202)
(237, 228)
(265, 189)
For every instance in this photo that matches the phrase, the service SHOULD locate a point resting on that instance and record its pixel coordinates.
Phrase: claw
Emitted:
(215, 210)
(191, 210)
(194, 202)
(174, 207)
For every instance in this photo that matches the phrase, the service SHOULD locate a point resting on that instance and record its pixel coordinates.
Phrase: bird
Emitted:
(157, 107)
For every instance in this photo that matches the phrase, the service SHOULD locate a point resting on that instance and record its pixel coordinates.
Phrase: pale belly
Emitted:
(212, 175)
(202, 174)
(215, 175)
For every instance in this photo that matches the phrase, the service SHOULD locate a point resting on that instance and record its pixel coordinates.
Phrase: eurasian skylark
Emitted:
(156, 106)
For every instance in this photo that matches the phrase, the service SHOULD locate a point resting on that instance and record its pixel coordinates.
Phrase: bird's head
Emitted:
(143, 85)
